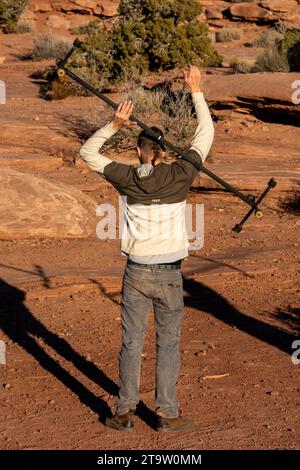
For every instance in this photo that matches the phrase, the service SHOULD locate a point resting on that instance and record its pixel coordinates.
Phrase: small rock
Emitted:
(200, 353)
(106, 8)
(279, 6)
(27, 15)
(212, 14)
(7, 386)
(43, 7)
(272, 393)
(57, 22)
(249, 12)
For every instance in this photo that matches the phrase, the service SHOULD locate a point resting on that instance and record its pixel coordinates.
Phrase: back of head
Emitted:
(150, 150)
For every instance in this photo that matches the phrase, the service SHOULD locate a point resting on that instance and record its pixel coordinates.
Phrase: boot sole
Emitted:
(119, 429)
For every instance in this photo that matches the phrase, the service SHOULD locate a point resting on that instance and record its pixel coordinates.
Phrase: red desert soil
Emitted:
(60, 314)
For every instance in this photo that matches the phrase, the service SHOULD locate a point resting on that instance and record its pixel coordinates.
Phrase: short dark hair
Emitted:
(147, 141)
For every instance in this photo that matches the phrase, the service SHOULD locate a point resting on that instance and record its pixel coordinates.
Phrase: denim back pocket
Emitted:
(173, 292)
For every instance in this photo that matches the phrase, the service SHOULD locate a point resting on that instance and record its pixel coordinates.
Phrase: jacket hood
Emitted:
(144, 178)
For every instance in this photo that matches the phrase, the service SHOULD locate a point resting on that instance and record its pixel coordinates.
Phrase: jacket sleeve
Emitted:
(204, 134)
(89, 152)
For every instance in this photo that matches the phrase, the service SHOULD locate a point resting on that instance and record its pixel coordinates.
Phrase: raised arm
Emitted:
(89, 152)
(204, 134)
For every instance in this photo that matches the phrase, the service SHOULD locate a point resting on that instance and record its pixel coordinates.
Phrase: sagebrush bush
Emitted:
(271, 60)
(228, 34)
(290, 45)
(282, 53)
(268, 39)
(10, 11)
(241, 66)
(22, 27)
(146, 102)
(49, 47)
(172, 112)
(177, 117)
(60, 87)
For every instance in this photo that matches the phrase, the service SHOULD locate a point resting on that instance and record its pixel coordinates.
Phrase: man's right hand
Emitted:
(192, 78)
(122, 115)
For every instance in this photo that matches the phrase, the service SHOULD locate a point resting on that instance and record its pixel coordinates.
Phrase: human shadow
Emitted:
(20, 325)
(211, 264)
(288, 316)
(205, 299)
(113, 296)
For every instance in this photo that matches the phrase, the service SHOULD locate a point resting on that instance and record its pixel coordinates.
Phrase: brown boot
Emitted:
(173, 424)
(121, 423)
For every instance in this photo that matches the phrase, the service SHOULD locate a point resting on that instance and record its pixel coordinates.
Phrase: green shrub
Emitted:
(141, 10)
(160, 35)
(95, 59)
(228, 34)
(92, 27)
(10, 11)
(150, 35)
(290, 45)
(49, 47)
(271, 60)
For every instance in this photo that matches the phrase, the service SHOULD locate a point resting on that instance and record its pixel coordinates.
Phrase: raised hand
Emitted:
(122, 115)
(192, 78)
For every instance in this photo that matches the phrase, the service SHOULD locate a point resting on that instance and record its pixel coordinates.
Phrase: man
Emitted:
(155, 241)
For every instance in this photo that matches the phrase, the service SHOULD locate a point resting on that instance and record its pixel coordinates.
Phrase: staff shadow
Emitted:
(20, 325)
(205, 299)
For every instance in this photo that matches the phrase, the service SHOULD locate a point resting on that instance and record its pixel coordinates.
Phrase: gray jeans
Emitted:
(142, 287)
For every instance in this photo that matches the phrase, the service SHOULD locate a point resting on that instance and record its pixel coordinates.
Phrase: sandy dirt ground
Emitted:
(60, 315)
